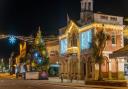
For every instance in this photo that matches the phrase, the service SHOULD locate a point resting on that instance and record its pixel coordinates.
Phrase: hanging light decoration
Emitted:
(12, 39)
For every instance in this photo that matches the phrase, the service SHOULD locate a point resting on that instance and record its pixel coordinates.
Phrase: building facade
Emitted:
(76, 40)
(52, 47)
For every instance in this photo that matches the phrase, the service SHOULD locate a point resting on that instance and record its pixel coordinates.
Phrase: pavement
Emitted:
(8, 81)
(80, 83)
(44, 84)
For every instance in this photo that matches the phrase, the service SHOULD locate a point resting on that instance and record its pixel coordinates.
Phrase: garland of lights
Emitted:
(12, 38)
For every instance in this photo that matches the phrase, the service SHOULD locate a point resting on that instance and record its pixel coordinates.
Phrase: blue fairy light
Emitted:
(40, 61)
(36, 54)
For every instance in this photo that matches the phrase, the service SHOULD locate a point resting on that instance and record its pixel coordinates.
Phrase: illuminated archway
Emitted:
(105, 67)
(114, 66)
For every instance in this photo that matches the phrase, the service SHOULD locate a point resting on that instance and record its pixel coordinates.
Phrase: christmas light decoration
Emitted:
(12, 39)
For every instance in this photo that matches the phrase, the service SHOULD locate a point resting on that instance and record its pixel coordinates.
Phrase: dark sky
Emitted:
(22, 17)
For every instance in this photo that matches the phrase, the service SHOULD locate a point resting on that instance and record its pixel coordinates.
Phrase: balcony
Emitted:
(72, 50)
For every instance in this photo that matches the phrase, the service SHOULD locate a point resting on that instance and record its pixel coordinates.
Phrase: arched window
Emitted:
(113, 38)
(105, 65)
(85, 6)
(73, 40)
(89, 6)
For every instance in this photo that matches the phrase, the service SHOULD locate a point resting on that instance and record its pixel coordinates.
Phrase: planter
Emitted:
(32, 75)
(43, 75)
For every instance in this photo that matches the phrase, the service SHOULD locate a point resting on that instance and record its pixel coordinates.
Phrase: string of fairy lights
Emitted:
(12, 38)
(30, 39)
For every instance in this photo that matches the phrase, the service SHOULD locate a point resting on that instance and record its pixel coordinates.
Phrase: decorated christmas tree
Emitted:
(40, 57)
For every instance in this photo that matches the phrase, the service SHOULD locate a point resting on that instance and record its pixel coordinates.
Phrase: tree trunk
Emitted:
(100, 78)
(30, 65)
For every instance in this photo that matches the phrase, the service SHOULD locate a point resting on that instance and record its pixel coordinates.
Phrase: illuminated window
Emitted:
(63, 46)
(104, 17)
(74, 40)
(86, 39)
(113, 19)
(113, 38)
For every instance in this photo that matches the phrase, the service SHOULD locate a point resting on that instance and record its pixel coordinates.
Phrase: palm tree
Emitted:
(99, 42)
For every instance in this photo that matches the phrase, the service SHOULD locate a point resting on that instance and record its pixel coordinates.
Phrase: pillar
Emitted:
(109, 70)
(68, 69)
(79, 69)
(121, 69)
(86, 77)
(96, 71)
(93, 70)
(61, 68)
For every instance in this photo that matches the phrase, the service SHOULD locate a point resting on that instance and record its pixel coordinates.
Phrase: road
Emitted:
(34, 84)
(9, 82)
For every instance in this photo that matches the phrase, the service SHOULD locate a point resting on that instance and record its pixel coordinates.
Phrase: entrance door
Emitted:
(89, 65)
(105, 68)
(84, 68)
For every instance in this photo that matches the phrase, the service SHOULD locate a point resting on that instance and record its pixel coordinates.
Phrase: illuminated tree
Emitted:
(99, 42)
(40, 55)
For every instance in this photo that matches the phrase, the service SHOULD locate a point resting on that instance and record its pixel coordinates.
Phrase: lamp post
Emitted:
(10, 60)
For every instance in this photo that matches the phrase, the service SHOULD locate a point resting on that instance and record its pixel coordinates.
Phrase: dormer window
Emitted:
(113, 19)
(74, 40)
(104, 17)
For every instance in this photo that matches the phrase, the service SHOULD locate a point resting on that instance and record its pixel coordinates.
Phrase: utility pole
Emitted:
(10, 62)
(2, 62)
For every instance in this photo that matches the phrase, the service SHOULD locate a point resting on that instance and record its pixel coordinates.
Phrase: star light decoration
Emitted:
(12, 39)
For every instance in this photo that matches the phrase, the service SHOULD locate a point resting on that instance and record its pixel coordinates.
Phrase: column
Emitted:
(67, 68)
(110, 69)
(79, 66)
(96, 71)
(93, 70)
(61, 68)
(121, 69)
(86, 77)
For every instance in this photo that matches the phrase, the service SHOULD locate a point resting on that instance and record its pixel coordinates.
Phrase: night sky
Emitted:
(22, 17)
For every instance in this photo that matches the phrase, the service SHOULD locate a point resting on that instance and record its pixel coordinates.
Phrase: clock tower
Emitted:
(86, 14)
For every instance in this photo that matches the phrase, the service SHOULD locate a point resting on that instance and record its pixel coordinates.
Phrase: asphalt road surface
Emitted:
(34, 84)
